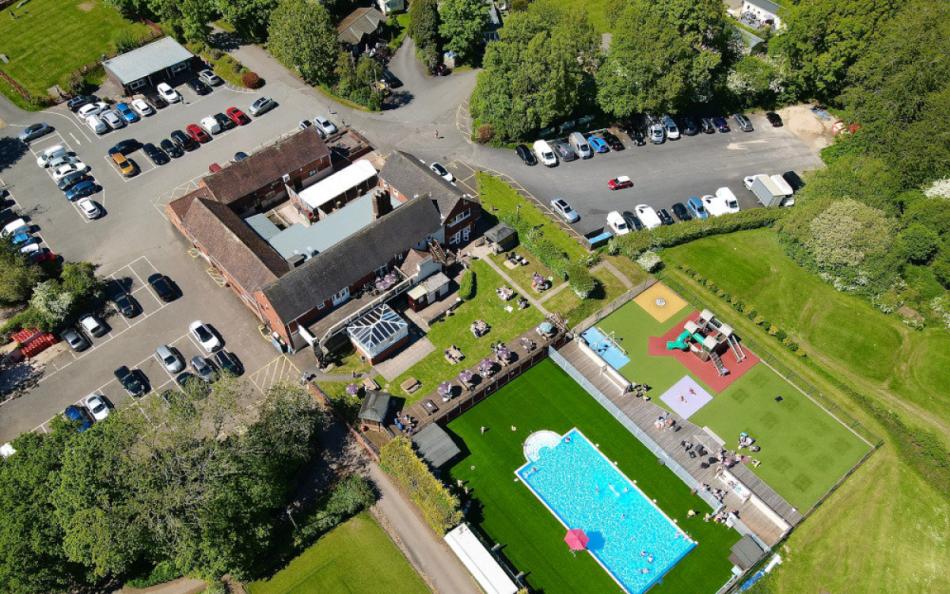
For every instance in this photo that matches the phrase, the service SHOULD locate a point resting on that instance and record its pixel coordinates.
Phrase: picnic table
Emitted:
(410, 385)
(430, 406)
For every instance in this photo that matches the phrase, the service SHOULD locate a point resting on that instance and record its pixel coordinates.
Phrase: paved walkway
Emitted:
(431, 557)
(180, 586)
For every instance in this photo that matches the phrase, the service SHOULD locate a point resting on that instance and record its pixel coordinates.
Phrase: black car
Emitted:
(183, 141)
(721, 124)
(198, 87)
(224, 121)
(70, 180)
(171, 149)
(793, 180)
(526, 156)
(707, 126)
(440, 70)
(612, 141)
(774, 119)
(203, 368)
(163, 286)
(76, 102)
(132, 380)
(632, 221)
(156, 101)
(155, 154)
(680, 212)
(129, 145)
(665, 217)
(688, 126)
(127, 305)
(390, 79)
(228, 362)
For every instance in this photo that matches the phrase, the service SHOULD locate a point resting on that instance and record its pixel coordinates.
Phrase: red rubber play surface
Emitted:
(705, 371)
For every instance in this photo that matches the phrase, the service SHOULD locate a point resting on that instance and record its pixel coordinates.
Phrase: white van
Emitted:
(715, 205)
(730, 200)
(647, 216)
(210, 125)
(13, 226)
(579, 143)
(544, 153)
(50, 154)
(617, 224)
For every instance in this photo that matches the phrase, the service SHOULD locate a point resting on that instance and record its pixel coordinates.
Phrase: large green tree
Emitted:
(249, 17)
(462, 24)
(302, 37)
(424, 29)
(18, 275)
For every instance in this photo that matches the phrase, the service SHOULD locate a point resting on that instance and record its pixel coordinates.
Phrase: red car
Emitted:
(619, 183)
(237, 116)
(214, 168)
(197, 133)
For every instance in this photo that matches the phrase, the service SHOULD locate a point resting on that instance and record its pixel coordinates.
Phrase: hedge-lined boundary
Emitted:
(439, 507)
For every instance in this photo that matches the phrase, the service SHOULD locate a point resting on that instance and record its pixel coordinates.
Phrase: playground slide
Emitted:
(680, 343)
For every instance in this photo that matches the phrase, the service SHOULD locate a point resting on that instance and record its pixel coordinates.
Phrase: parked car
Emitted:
(744, 123)
(239, 156)
(198, 87)
(224, 121)
(565, 152)
(228, 362)
(53, 152)
(696, 208)
(598, 144)
(617, 224)
(203, 369)
(14, 227)
(125, 147)
(133, 381)
(23, 238)
(440, 70)
(657, 134)
(793, 180)
(92, 109)
(197, 133)
(632, 221)
(75, 340)
(680, 212)
(89, 208)
(208, 77)
(441, 171)
(210, 125)
(81, 190)
(96, 124)
(78, 101)
(670, 127)
(170, 358)
(579, 145)
(237, 116)
(561, 207)
(774, 119)
(707, 126)
(183, 141)
(64, 170)
(214, 168)
(71, 180)
(155, 154)
(126, 112)
(205, 336)
(324, 125)
(526, 156)
(93, 325)
(156, 101)
(721, 124)
(34, 131)
(163, 286)
(689, 126)
(167, 93)
(545, 153)
(304, 124)
(112, 119)
(620, 182)
(62, 160)
(171, 149)
(32, 249)
(142, 108)
(184, 378)
(96, 405)
(391, 80)
(261, 106)
(125, 165)
(665, 217)
(77, 415)
(613, 141)
(126, 305)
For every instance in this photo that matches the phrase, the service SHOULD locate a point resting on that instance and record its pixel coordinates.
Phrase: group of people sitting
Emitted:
(479, 328)
(747, 441)
(665, 422)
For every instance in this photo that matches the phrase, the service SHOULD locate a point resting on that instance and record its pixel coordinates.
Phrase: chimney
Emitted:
(381, 203)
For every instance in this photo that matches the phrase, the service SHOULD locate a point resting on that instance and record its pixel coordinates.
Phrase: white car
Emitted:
(142, 108)
(33, 248)
(96, 124)
(210, 125)
(442, 171)
(205, 336)
(616, 223)
(12, 226)
(324, 125)
(112, 118)
(647, 216)
(728, 198)
(561, 207)
(92, 109)
(167, 93)
(64, 170)
(749, 180)
(543, 152)
(49, 154)
(96, 406)
(61, 160)
(89, 208)
(715, 206)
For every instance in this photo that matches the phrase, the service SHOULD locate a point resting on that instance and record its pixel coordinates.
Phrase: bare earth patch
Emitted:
(86, 6)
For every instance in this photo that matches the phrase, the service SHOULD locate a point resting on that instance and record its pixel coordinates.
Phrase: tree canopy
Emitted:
(424, 29)
(461, 26)
(248, 17)
(301, 35)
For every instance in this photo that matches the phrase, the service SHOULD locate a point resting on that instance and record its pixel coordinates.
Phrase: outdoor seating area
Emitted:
(454, 355)
(505, 293)
(480, 328)
(539, 284)
(514, 260)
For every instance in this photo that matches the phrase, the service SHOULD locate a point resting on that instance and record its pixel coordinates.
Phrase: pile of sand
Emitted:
(801, 122)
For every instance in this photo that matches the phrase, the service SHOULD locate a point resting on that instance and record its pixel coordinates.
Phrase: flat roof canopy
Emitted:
(479, 561)
(337, 184)
(435, 445)
(148, 59)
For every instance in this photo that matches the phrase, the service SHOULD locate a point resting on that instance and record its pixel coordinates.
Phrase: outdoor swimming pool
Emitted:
(605, 347)
(629, 535)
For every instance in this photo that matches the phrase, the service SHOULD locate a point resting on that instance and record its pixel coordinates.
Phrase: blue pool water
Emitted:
(584, 490)
(605, 347)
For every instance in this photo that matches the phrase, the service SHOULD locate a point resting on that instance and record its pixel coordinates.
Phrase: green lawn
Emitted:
(574, 309)
(355, 557)
(49, 39)
(532, 538)
(522, 274)
(455, 330)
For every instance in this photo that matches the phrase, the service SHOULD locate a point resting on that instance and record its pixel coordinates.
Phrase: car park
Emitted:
(689, 126)
(562, 208)
(526, 156)
(124, 147)
(237, 116)
(184, 141)
(170, 358)
(579, 145)
(197, 133)
(565, 152)
(89, 208)
(71, 180)
(166, 92)
(92, 325)
(97, 407)
(210, 125)
(142, 108)
(324, 125)
(208, 77)
(77, 415)
(198, 87)
(125, 165)
(620, 182)
(75, 340)
(224, 121)
(239, 156)
(112, 119)
(92, 109)
(744, 123)
(228, 362)
(64, 170)
(544, 153)
(204, 335)
(441, 171)
(612, 141)
(680, 212)
(163, 286)
(617, 224)
(657, 134)
(202, 368)
(696, 209)
(598, 144)
(132, 380)
(774, 119)
(96, 124)
(665, 217)
(261, 106)
(82, 190)
(171, 149)
(78, 101)
(670, 127)
(34, 131)
(126, 112)
(53, 152)
(126, 305)
(155, 154)
(707, 126)
(721, 124)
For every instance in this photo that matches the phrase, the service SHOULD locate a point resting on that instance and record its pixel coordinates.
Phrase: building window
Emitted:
(340, 297)
(459, 217)
(137, 84)
(455, 238)
(176, 68)
(321, 305)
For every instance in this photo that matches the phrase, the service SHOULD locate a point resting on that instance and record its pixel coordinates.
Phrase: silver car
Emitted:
(657, 133)
(261, 106)
(112, 119)
(561, 207)
(170, 358)
(34, 131)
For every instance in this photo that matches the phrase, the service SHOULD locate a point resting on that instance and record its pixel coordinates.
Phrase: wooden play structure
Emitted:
(707, 338)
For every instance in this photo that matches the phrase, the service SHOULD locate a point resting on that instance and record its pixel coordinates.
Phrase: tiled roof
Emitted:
(360, 22)
(412, 177)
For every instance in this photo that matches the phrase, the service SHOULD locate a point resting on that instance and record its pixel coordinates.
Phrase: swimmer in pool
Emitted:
(643, 553)
(650, 559)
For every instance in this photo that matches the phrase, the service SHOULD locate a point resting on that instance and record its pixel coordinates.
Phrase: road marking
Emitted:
(74, 138)
(274, 372)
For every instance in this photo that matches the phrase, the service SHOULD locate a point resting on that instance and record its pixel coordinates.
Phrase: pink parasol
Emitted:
(576, 539)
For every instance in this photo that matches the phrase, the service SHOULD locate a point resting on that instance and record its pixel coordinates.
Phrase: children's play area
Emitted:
(694, 364)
